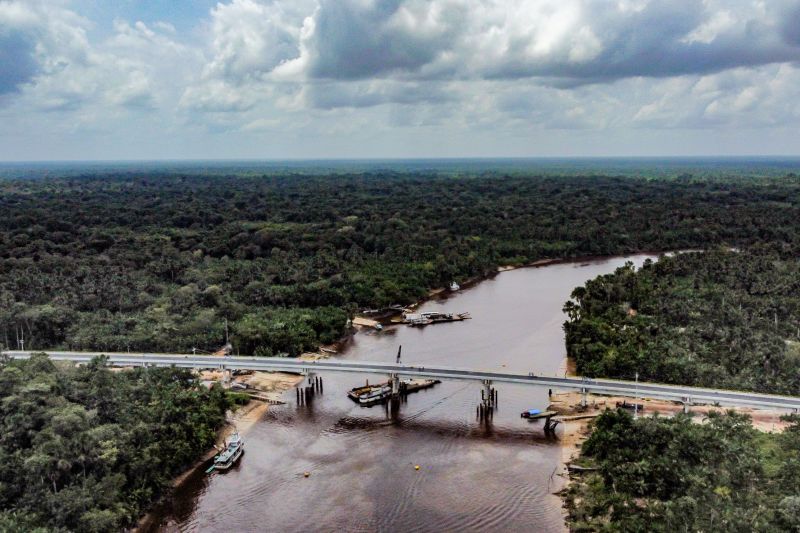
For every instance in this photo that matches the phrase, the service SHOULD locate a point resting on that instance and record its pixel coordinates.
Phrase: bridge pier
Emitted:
(584, 397)
(488, 401)
(687, 402)
(309, 388)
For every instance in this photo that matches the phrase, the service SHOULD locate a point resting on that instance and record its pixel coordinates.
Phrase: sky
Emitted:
(289, 79)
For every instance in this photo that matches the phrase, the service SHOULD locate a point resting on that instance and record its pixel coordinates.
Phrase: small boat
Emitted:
(530, 413)
(233, 451)
(455, 286)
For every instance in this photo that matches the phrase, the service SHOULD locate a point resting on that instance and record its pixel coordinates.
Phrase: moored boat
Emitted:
(233, 451)
(373, 394)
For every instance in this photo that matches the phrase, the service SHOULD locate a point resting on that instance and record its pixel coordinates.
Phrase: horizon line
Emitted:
(394, 159)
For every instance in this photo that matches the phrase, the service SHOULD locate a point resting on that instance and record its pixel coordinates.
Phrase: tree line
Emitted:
(726, 319)
(672, 474)
(160, 261)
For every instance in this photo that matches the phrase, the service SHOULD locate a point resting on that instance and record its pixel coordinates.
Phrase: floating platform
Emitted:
(366, 322)
(379, 393)
(423, 319)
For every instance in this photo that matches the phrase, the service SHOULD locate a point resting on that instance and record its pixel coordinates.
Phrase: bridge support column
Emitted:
(488, 394)
(394, 380)
(584, 397)
(312, 386)
(488, 401)
(687, 403)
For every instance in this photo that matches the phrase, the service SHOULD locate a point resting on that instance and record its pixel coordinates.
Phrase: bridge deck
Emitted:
(598, 386)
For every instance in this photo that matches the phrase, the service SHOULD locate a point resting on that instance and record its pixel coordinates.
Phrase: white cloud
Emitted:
(313, 68)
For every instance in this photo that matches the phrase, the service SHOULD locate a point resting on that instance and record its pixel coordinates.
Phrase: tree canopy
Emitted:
(726, 319)
(672, 474)
(150, 261)
(88, 449)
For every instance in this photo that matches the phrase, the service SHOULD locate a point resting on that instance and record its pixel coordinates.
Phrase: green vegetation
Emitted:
(659, 474)
(87, 449)
(159, 262)
(722, 319)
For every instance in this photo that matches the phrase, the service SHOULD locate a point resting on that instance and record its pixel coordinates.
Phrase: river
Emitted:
(473, 476)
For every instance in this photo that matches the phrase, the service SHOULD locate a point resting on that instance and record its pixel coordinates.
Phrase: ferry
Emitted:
(232, 453)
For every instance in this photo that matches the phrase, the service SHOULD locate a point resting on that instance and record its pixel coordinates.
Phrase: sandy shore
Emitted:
(575, 432)
(768, 420)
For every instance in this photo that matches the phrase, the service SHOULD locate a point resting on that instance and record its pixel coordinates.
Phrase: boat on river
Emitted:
(433, 317)
(233, 451)
(379, 393)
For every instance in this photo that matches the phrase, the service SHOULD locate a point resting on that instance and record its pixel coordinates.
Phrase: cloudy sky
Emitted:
(155, 79)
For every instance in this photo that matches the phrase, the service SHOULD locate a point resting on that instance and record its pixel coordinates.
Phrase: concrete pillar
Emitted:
(584, 399)
(686, 404)
(486, 394)
(394, 379)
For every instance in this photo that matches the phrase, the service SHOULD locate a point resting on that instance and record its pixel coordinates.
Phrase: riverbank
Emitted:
(575, 432)
(519, 317)
(271, 385)
(444, 292)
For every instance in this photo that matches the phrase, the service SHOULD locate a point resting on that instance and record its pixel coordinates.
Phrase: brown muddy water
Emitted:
(473, 476)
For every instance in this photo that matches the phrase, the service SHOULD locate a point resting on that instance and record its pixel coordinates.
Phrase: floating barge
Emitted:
(379, 393)
(432, 317)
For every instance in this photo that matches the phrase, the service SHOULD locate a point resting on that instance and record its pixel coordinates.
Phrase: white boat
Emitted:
(233, 451)
(454, 286)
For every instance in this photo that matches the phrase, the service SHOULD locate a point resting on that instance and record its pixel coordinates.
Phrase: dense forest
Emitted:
(672, 474)
(728, 319)
(142, 261)
(88, 449)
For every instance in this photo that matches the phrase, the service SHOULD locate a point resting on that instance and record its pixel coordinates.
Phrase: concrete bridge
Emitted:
(685, 395)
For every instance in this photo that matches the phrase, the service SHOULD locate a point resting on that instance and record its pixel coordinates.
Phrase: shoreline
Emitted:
(242, 420)
(444, 292)
(575, 432)
(474, 280)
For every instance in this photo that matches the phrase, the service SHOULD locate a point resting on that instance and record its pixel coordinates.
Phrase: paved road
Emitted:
(599, 386)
